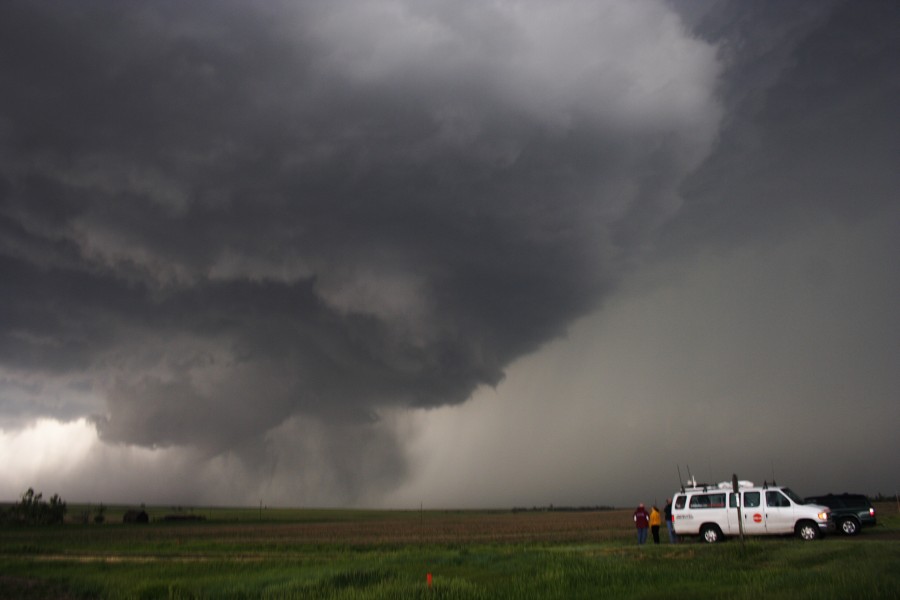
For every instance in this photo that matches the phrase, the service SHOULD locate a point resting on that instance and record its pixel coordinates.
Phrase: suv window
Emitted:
(679, 502)
(830, 502)
(842, 501)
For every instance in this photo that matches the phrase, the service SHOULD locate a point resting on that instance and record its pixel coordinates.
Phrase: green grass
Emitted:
(782, 570)
(230, 556)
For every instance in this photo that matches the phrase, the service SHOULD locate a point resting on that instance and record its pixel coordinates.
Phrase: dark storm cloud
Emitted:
(251, 229)
(813, 128)
(228, 215)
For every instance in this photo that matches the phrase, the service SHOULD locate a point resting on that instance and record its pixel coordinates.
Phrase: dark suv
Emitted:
(850, 512)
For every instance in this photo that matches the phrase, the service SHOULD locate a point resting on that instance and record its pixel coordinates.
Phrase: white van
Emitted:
(712, 512)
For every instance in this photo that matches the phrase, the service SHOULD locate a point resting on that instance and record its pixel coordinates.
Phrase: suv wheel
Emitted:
(848, 526)
(711, 534)
(807, 530)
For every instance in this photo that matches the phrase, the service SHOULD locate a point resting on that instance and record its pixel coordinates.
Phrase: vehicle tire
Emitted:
(848, 526)
(711, 534)
(807, 530)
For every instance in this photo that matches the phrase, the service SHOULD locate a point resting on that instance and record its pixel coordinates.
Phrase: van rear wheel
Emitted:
(711, 534)
(807, 530)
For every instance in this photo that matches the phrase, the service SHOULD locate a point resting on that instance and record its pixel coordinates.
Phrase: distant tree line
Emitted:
(882, 498)
(551, 508)
(32, 509)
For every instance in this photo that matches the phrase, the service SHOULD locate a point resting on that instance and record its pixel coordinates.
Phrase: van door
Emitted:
(753, 513)
(734, 514)
(779, 515)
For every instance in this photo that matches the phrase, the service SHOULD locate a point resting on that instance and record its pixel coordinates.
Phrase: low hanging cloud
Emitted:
(223, 218)
(247, 236)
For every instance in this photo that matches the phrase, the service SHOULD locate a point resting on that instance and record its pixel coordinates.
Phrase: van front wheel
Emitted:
(807, 530)
(711, 534)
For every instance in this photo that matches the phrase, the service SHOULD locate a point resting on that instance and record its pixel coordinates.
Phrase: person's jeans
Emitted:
(642, 535)
(673, 539)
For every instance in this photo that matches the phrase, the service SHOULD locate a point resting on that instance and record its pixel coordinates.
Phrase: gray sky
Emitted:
(392, 253)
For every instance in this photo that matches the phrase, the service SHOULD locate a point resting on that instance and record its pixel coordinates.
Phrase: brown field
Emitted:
(475, 526)
(446, 527)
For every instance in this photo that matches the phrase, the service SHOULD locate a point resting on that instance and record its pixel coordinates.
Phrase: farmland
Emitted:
(290, 553)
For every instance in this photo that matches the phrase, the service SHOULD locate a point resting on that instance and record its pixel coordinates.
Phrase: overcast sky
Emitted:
(448, 253)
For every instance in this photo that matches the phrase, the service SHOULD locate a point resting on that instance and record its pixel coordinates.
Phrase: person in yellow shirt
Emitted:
(655, 522)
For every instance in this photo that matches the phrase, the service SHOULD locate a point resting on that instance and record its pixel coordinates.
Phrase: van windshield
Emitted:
(792, 495)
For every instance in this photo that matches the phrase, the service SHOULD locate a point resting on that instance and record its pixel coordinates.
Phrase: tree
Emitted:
(32, 509)
(100, 516)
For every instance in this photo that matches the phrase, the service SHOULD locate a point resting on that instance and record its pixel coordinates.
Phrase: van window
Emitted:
(792, 495)
(751, 499)
(708, 501)
(679, 502)
(733, 500)
(776, 499)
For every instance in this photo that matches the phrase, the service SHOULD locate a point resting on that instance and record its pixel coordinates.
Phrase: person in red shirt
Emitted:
(642, 522)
